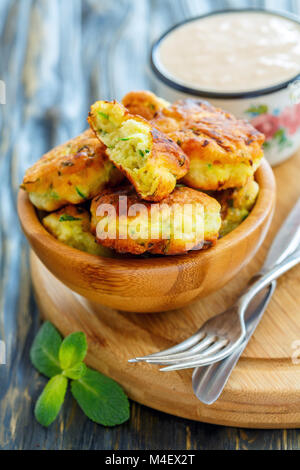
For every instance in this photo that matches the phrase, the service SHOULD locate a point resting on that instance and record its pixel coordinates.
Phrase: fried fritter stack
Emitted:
(224, 152)
(161, 159)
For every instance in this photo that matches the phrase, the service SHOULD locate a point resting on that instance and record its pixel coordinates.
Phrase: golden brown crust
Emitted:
(166, 154)
(144, 103)
(72, 172)
(214, 132)
(210, 135)
(165, 161)
(158, 245)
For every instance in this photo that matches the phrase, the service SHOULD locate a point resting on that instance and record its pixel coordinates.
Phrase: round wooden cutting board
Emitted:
(264, 389)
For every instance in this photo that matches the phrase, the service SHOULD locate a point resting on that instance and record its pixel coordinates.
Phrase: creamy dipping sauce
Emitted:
(232, 52)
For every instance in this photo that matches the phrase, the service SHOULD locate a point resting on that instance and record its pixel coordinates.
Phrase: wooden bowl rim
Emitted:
(32, 226)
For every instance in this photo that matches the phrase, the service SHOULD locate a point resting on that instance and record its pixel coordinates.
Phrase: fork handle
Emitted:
(265, 279)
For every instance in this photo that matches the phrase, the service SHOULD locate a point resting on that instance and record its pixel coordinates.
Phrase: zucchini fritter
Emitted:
(224, 152)
(71, 173)
(236, 205)
(71, 226)
(144, 103)
(186, 220)
(150, 160)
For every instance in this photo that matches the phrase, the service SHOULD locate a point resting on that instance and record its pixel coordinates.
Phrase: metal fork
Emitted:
(209, 382)
(220, 335)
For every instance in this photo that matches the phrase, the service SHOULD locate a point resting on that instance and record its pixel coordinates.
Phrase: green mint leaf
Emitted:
(101, 399)
(67, 218)
(72, 350)
(44, 353)
(51, 400)
(76, 372)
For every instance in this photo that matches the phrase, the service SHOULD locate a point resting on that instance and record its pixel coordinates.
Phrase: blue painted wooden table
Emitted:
(56, 58)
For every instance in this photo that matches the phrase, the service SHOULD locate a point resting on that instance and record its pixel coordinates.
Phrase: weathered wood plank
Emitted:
(56, 58)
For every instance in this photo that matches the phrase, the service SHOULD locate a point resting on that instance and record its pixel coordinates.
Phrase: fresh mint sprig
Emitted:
(72, 350)
(100, 398)
(45, 349)
(50, 401)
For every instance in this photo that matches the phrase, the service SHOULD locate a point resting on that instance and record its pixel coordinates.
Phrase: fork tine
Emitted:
(188, 343)
(192, 364)
(217, 346)
(194, 352)
(212, 349)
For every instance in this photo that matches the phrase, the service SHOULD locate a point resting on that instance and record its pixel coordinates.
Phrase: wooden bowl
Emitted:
(153, 284)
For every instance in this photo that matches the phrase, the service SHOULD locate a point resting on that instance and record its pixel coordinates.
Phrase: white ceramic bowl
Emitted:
(275, 111)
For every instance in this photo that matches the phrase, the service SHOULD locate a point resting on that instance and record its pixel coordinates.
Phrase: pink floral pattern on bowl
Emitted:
(278, 126)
